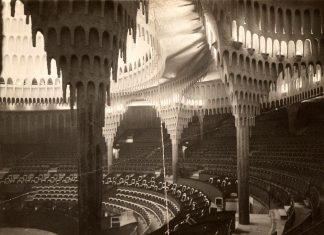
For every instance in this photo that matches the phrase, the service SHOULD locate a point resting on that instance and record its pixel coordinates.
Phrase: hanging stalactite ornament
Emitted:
(85, 37)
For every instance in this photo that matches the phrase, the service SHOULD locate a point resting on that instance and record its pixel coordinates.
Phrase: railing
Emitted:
(291, 218)
(314, 197)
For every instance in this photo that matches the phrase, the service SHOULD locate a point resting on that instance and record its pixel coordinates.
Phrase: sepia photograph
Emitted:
(162, 117)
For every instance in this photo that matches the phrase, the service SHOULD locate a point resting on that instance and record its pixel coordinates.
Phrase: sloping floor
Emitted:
(23, 231)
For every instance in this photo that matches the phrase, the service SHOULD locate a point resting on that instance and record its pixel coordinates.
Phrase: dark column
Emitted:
(1, 154)
(175, 152)
(242, 139)
(90, 111)
(292, 111)
(109, 144)
(201, 124)
(28, 134)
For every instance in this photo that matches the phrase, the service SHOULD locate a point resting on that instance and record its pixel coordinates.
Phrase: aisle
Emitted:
(260, 224)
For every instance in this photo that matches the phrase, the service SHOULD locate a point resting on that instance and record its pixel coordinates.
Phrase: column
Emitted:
(44, 133)
(64, 131)
(13, 129)
(201, 124)
(20, 128)
(50, 131)
(28, 134)
(1, 162)
(90, 115)
(292, 111)
(175, 151)
(242, 141)
(109, 144)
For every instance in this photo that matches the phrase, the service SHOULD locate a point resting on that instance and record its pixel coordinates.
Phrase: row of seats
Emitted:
(35, 178)
(294, 184)
(49, 205)
(152, 197)
(156, 209)
(58, 194)
(227, 185)
(194, 204)
(64, 199)
(190, 198)
(132, 206)
(53, 193)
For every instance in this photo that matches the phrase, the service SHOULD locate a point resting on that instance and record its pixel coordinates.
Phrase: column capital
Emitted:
(175, 140)
(109, 139)
(175, 136)
(244, 121)
(293, 108)
(201, 117)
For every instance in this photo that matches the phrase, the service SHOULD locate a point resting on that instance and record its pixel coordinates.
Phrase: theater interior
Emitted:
(162, 117)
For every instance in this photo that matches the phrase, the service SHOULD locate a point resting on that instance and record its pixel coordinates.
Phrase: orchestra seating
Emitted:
(194, 205)
(142, 193)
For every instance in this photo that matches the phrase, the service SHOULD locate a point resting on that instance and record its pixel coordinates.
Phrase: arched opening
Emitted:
(34, 82)
(318, 73)
(242, 35)
(93, 38)
(283, 49)
(257, 14)
(307, 48)
(262, 45)
(269, 46)
(120, 13)
(297, 23)
(279, 25)
(291, 49)
(256, 42)
(288, 26)
(9, 81)
(299, 48)
(307, 22)
(79, 37)
(272, 23)
(94, 7)
(315, 47)
(248, 39)
(49, 81)
(276, 47)
(264, 21)
(109, 8)
(249, 17)
(234, 30)
(65, 38)
(317, 22)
